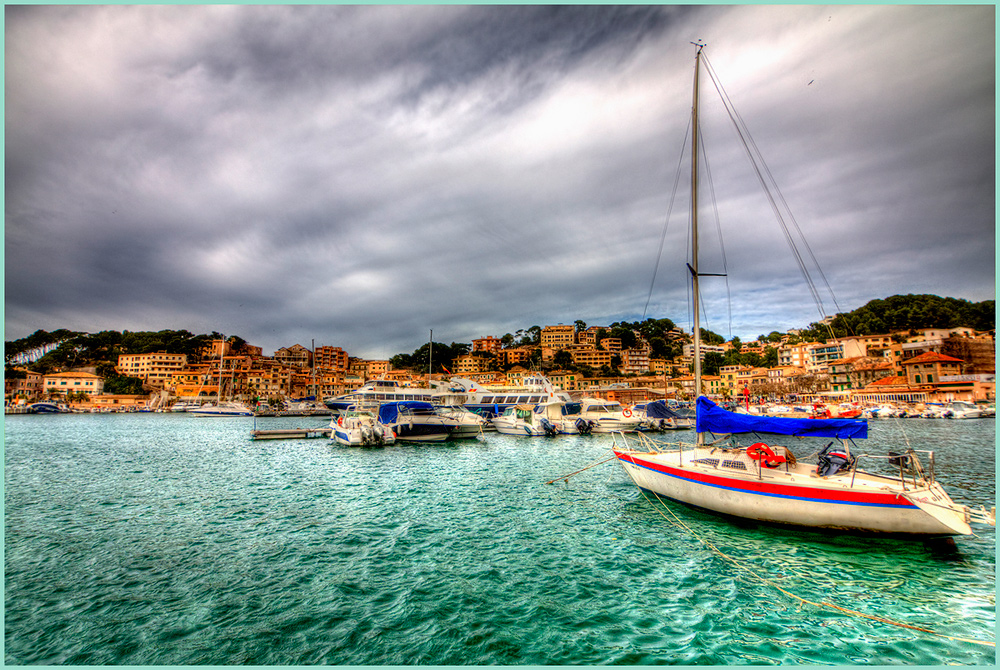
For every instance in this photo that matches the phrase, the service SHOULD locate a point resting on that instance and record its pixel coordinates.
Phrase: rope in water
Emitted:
(767, 581)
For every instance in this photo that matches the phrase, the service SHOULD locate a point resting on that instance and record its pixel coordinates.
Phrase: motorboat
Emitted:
(47, 408)
(491, 402)
(376, 392)
(608, 416)
(659, 416)
(524, 420)
(416, 421)
(185, 406)
(961, 409)
(360, 429)
(468, 423)
(223, 408)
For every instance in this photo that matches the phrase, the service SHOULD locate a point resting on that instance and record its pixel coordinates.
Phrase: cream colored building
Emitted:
(63, 383)
(154, 369)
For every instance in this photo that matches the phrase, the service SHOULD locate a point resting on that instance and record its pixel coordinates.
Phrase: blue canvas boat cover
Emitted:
(658, 409)
(389, 412)
(714, 419)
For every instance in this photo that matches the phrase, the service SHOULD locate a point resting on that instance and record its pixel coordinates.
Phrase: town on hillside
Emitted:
(914, 366)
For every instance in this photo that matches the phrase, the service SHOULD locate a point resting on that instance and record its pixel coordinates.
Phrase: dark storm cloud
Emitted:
(361, 175)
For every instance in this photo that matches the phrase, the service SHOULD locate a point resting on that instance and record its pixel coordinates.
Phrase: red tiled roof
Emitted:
(931, 357)
(890, 381)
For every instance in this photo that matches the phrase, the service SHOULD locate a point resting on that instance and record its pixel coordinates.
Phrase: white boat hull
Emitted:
(795, 497)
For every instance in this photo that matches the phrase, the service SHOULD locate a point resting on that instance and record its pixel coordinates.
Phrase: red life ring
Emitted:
(763, 453)
(626, 413)
(340, 421)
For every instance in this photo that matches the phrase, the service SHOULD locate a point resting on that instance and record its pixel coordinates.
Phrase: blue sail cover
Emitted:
(714, 419)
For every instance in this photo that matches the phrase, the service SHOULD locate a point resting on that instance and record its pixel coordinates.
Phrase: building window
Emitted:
(930, 379)
(916, 378)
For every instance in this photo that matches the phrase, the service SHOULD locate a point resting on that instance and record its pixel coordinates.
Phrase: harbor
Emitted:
(164, 539)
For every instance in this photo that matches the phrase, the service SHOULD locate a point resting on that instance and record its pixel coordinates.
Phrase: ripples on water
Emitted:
(165, 539)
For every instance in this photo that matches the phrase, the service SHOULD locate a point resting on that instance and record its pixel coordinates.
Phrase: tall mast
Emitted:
(694, 224)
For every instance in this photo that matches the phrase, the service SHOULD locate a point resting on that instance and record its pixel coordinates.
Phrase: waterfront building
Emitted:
(857, 372)
(928, 368)
(24, 383)
(64, 383)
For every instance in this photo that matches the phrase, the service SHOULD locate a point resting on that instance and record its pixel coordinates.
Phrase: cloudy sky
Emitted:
(359, 176)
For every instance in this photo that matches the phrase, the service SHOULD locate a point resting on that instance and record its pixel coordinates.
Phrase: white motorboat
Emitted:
(524, 420)
(468, 423)
(763, 480)
(416, 421)
(490, 402)
(964, 410)
(608, 416)
(360, 429)
(658, 416)
(223, 408)
(376, 392)
(185, 405)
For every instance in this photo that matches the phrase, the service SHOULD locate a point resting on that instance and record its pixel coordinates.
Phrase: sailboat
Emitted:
(222, 407)
(764, 481)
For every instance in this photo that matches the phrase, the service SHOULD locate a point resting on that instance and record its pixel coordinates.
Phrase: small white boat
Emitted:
(608, 416)
(185, 406)
(468, 424)
(416, 421)
(658, 416)
(964, 410)
(223, 408)
(524, 420)
(360, 429)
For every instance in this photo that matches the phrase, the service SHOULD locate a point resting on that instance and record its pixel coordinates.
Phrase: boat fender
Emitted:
(763, 453)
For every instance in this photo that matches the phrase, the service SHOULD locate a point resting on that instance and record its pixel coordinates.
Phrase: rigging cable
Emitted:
(670, 208)
(769, 184)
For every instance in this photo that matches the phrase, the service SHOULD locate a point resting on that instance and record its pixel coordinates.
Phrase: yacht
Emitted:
(223, 408)
(376, 392)
(608, 416)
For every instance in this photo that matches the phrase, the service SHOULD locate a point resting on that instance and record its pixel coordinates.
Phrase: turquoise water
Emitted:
(169, 539)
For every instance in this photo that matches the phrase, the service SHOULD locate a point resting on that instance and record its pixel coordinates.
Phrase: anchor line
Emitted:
(744, 568)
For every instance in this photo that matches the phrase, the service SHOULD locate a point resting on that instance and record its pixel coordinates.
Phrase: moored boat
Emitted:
(416, 421)
(762, 480)
(360, 429)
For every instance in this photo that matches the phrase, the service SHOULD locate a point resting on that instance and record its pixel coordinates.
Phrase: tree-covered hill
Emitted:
(63, 349)
(911, 312)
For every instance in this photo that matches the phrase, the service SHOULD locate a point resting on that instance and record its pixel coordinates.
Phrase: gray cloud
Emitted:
(361, 175)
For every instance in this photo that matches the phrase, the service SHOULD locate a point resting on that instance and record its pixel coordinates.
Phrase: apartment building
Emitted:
(488, 344)
(558, 337)
(331, 358)
(28, 386)
(294, 356)
(154, 369)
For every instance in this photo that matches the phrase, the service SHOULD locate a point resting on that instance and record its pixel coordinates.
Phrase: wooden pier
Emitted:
(289, 433)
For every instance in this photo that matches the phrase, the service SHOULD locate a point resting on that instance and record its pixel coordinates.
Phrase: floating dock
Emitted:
(289, 433)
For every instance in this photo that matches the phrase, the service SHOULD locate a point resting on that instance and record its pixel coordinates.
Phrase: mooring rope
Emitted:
(739, 565)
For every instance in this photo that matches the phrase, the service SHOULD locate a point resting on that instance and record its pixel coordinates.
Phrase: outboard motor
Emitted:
(550, 430)
(584, 426)
(833, 460)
